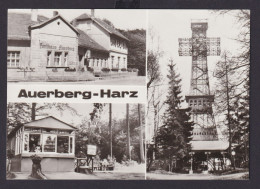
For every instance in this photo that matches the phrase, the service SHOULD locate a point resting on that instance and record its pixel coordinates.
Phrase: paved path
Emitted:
(155, 176)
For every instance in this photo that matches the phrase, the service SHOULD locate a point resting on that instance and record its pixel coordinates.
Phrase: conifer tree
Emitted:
(174, 135)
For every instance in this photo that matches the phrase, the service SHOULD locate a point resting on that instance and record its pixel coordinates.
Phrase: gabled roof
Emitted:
(39, 25)
(101, 23)
(18, 25)
(51, 123)
(47, 122)
(88, 42)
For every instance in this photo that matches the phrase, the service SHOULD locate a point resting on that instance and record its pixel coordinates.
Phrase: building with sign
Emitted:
(50, 138)
(52, 49)
(106, 35)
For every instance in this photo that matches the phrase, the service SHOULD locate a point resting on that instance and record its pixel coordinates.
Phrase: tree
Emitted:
(174, 135)
(136, 49)
(19, 113)
(232, 102)
(233, 74)
(99, 133)
(242, 57)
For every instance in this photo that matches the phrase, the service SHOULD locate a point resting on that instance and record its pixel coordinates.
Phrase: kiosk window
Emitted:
(35, 143)
(62, 144)
(49, 143)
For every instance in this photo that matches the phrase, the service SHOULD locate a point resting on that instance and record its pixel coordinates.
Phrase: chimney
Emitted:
(92, 12)
(55, 13)
(34, 15)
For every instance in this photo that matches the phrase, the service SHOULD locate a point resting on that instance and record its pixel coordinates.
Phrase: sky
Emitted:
(121, 18)
(170, 25)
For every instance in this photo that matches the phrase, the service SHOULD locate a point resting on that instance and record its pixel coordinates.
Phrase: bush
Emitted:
(123, 69)
(135, 70)
(70, 69)
(10, 154)
(129, 69)
(115, 69)
(105, 70)
(90, 69)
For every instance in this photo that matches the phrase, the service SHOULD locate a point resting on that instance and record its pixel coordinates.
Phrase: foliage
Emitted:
(232, 94)
(153, 68)
(99, 135)
(174, 135)
(9, 153)
(105, 70)
(115, 69)
(136, 49)
(19, 113)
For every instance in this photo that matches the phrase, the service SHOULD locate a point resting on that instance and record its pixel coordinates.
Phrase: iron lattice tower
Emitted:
(199, 98)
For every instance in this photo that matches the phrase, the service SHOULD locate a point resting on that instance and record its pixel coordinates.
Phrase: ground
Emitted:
(134, 80)
(159, 176)
(109, 175)
(121, 172)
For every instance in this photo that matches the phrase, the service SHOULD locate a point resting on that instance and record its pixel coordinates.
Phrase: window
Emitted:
(118, 62)
(66, 59)
(97, 62)
(93, 63)
(13, 59)
(71, 145)
(57, 58)
(49, 58)
(26, 142)
(106, 63)
(112, 61)
(191, 102)
(35, 143)
(62, 144)
(49, 143)
(124, 63)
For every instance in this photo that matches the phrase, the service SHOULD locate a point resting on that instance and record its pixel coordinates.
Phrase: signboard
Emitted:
(91, 150)
(46, 45)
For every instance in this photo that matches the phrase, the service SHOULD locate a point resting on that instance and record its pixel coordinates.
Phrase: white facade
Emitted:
(116, 45)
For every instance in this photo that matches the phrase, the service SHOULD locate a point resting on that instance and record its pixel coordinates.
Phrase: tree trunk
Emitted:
(128, 132)
(33, 111)
(141, 135)
(110, 128)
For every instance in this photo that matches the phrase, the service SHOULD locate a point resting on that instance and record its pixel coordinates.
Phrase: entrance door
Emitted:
(86, 63)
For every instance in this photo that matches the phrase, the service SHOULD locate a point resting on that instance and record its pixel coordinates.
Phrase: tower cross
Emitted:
(199, 98)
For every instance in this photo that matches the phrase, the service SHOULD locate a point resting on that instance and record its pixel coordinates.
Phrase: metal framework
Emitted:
(199, 98)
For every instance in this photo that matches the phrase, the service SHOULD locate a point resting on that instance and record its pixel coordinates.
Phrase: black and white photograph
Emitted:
(67, 141)
(83, 46)
(198, 66)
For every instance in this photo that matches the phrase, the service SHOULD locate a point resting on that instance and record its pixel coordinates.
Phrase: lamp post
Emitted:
(191, 161)
(207, 153)
(224, 159)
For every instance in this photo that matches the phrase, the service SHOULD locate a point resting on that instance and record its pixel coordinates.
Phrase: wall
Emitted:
(96, 32)
(56, 34)
(115, 48)
(116, 55)
(24, 47)
(49, 164)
